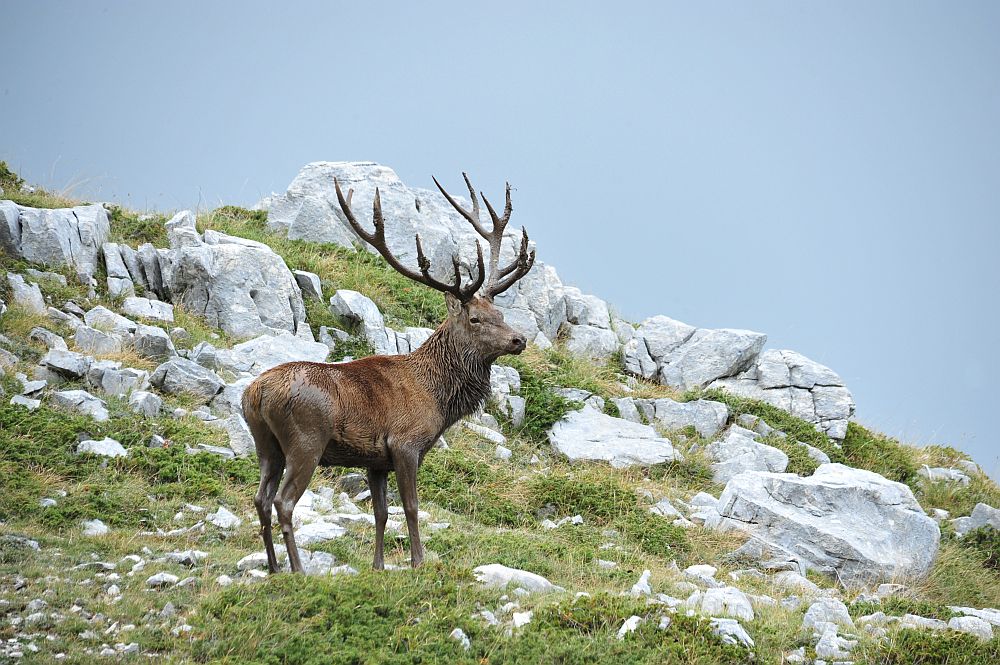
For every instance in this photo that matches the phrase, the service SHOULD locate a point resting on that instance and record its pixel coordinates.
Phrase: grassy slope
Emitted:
(494, 508)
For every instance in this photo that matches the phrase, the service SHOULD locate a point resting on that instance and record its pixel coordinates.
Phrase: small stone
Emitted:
(521, 618)
(629, 626)
(502, 453)
(223, 580)
(106, 447)
(95, 528)
(459, 636)
(642, 588)
(224, 519)
(160, 580)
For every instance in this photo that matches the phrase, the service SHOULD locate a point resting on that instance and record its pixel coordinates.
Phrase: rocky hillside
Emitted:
(632, 492)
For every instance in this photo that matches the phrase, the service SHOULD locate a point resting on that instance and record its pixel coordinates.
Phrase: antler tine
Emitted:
(377, 240)
(345, 206)
(471, 217)
(517, 269)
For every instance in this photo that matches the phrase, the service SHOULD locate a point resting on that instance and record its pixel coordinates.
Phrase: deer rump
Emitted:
(384, 413)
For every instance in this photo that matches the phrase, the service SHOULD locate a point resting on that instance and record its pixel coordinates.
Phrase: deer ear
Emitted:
(454, 305)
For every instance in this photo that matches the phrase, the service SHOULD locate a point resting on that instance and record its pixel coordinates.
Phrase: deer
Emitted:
(385, 412)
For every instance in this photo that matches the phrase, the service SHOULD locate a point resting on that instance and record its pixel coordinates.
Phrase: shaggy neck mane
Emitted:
(457, 376)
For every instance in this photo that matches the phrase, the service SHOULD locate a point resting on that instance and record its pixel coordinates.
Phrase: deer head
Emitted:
(476, 323)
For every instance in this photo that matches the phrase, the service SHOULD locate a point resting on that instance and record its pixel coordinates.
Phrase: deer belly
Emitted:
(370, 453)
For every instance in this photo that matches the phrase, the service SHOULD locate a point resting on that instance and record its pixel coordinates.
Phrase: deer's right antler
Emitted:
(500, 279)
(377, 240)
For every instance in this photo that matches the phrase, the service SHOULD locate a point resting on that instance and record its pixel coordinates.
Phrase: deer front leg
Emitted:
(380, 506)
(407, 461)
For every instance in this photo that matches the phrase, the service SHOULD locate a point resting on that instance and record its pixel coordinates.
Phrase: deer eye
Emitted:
(473, 319)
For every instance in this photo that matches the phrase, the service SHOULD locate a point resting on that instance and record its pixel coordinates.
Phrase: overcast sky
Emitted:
(827, 173)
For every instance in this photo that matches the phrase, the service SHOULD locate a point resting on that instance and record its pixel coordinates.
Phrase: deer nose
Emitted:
(519, 342)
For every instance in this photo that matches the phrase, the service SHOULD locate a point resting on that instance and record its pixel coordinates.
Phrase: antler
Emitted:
(500, 279)
(377, 240)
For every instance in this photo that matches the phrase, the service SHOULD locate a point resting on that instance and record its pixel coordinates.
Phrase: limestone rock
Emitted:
(146, 403)
(360, 311)
(119, 280)
(82, 402)
(708, 355)
(798, 385)
(55, 237)
(495, 575)
(591, 342)
(149, 309)
(68, 364)
(98, 342)
(843, 521)
(240, 438)
(309, 283)
(25, 294)
(238, 285)
(707, 417)
(738, 452)
(102, 318)
(153, 342)
(106, 447)
(180, 375)
(589, 435)
(260, 354)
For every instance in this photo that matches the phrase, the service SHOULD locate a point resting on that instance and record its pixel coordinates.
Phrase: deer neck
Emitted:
(457, 376)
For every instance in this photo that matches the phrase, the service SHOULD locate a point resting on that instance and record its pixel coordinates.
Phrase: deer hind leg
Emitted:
(407, 461)
(272, 463)
(377, 485)
(299, 471)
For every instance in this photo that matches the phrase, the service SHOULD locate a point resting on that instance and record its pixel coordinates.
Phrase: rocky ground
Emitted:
(648, 492)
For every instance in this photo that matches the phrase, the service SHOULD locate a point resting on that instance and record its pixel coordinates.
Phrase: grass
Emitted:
(876, 452)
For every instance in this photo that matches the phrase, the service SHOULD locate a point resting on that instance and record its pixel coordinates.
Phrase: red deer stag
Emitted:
(384, 412)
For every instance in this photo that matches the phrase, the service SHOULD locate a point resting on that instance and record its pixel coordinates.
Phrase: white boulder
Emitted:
(848, 522)
(589, 435)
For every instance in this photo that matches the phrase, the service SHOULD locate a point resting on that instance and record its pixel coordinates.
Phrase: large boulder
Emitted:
(55, 237)
(589, 435)
(798, 385)
(591, 341)
(260, 354)
(705, 416)
(708, 355)
(683, 357)
(238, 285)
(850, 523)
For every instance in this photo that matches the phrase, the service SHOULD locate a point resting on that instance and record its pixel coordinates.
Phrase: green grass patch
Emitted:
(865, 449)
(918, 647)
(134, 229)
(457, 481)
(598, 496)
(984, 541)
(654, 534)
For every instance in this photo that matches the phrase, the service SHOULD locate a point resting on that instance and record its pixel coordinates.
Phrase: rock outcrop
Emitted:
(850, 523)
(55, 237)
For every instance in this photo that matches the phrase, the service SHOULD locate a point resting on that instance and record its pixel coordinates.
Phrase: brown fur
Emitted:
(382, 413)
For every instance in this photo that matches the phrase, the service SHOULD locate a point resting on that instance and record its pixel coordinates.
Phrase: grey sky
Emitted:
(827, 173)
